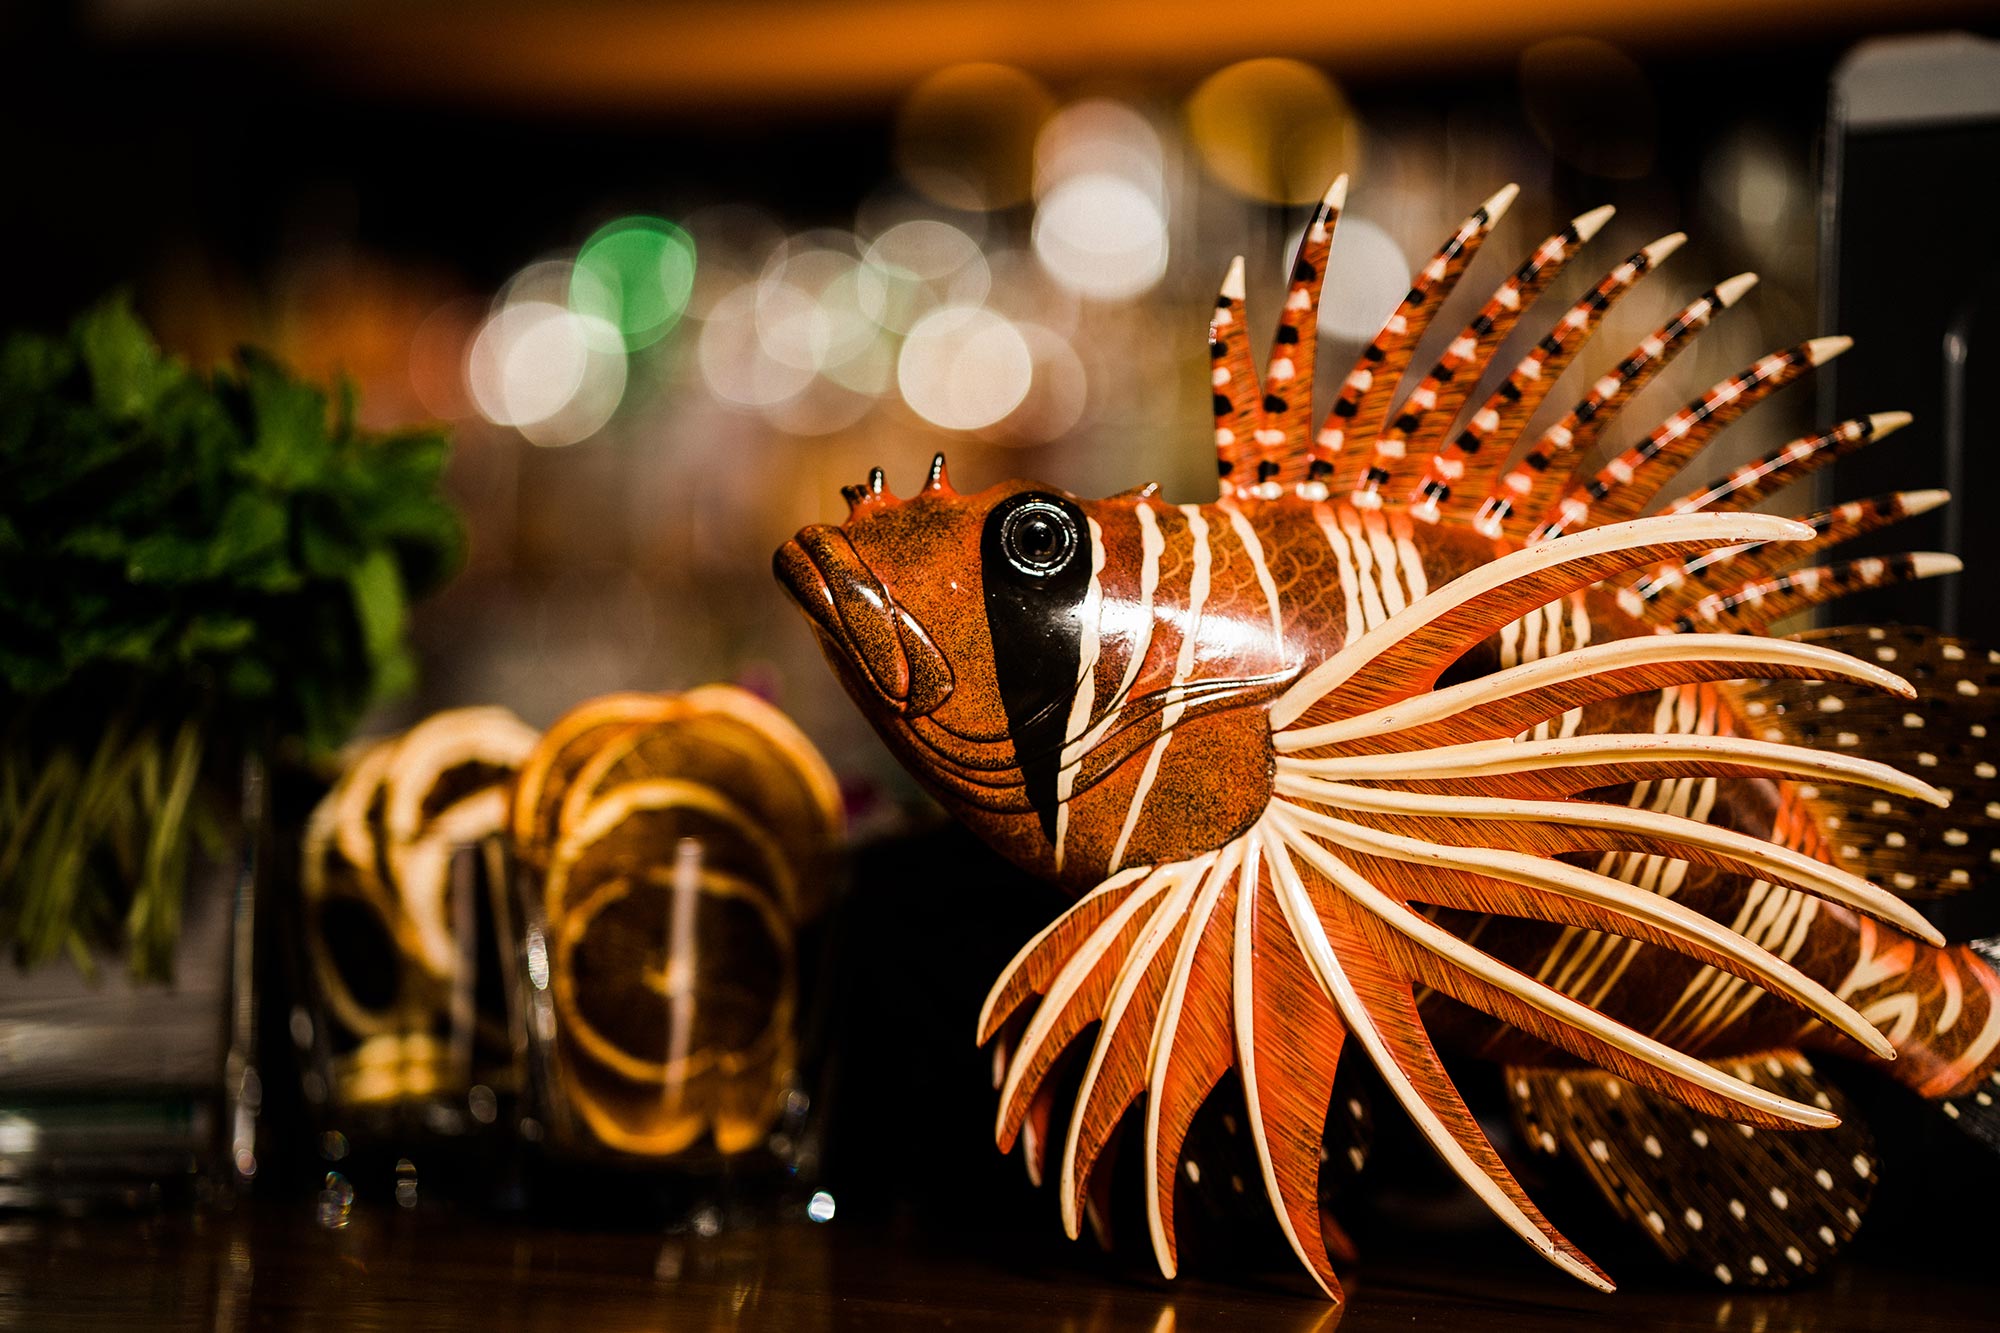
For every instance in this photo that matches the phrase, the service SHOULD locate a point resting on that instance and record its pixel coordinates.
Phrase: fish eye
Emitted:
(1038, 539)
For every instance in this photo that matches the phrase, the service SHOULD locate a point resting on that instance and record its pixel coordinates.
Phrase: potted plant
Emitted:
(198, 572)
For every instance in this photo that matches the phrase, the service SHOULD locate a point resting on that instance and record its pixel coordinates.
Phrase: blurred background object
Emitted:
(1918, 119)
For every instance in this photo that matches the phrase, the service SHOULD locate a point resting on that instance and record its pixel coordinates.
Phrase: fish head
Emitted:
(960, 612)
(996, 640)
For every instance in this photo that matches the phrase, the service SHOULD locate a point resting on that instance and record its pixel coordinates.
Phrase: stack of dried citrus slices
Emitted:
(676, 843)
(393, 878)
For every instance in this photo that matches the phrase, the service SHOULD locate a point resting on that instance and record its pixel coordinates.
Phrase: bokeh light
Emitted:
(821, 408)
(546, 371)
(1370, 274)
(1026, 293)
(823, 268)
(1751, 184)
(526, 362)
(734, 354)
(1058, 392)
(597, 397)
(965, 136)
(1592, 105)
(915, 265)
(792, 328)
(550, 281)
(1274, 129)
(964, 367)
(1098, 136)
(636, 274)
(734, 242)
(895, 203)
(437, 358)
(1102, 237)
(859, 356)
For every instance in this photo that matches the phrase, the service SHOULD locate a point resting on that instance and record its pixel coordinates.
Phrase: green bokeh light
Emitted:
(635, 273)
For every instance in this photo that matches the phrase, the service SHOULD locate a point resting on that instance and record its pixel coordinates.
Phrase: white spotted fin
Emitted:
(1944, 735)
(1746, 1207)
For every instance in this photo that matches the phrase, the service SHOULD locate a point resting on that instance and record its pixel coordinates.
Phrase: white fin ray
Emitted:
(1229, 864)
(1757, 856)
(1595, 659)
(1613, 895)
(1311, 936)
(1063, 987)
(1171, 916)
(1477, 759)
(1555, 569)
(1433, 938)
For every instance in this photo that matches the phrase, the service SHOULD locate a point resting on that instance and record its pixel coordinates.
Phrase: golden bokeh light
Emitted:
(1274, 129)
(965, 136)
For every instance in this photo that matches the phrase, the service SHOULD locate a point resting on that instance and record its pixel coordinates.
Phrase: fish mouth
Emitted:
(855, 614)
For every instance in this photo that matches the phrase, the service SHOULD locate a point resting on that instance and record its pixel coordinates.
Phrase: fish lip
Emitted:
(855, 613)
(800, 575)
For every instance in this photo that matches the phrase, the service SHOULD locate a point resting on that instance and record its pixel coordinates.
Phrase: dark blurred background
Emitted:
(876, 230)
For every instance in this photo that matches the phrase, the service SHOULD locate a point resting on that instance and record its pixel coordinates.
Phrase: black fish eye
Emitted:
(1039, 539)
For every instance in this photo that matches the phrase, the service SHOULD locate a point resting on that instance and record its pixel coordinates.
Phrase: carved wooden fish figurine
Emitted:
(1391, 741)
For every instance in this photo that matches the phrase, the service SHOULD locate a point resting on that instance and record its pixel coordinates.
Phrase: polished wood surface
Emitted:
(274, 1266)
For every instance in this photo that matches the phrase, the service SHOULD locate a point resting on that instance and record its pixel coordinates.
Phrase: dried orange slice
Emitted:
(550, 768)
(392, 1067)
(677, 994)
(377, 863)
(356, 805)
(675, 974)
(741, 747)
(639, 826)
(630, 1117)
(445, 758)
(423, 873)
(445, 785)
(354, 928)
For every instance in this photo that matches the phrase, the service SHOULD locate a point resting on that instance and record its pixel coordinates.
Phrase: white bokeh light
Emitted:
(916, 265)
(1058, 395)
(597, 397)
(546, 371)
(791, 326)
(1366, 276)
(1102, 237)
(964, 367)
(734, 359)
(1099, 136)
